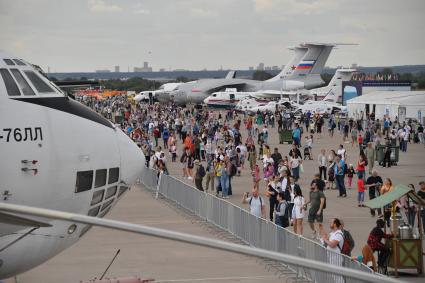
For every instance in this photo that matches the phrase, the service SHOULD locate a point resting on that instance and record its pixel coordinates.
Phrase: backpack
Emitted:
(233, 170)
(201, 171)
(261, 200)
(348, 245)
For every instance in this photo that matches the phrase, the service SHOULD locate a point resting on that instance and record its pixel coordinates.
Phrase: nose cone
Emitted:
(132, 159)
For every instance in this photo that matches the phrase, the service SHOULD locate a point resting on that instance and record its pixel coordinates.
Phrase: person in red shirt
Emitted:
(360, 168)
(360, 192)
(360, 140)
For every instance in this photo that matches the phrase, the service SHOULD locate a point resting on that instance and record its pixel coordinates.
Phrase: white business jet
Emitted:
(55, 154)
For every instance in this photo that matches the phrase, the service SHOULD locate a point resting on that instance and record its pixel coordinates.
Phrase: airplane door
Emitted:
(232, 97)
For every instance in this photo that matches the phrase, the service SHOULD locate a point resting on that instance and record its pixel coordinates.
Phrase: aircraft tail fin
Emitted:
(231, 75)
(290, 67)
(314, 60)
(334, 89)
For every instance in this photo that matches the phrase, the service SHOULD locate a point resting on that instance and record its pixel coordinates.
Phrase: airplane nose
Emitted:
(132, 159)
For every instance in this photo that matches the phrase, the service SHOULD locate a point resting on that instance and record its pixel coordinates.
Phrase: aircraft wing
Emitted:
(192, 239)
(12, 219)
(221, 87)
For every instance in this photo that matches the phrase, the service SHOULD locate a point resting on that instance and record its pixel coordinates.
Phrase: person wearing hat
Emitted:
(370, 155)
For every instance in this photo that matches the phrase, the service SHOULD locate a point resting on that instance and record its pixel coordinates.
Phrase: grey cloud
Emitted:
(86, 35)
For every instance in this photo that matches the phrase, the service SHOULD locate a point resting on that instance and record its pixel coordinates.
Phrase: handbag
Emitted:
(301, 168)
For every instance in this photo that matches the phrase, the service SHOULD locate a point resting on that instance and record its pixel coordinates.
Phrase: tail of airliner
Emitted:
(314, 59)
(333, 91)
(289, 68)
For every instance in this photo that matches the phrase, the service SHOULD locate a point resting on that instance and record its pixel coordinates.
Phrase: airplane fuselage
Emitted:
(56, 154)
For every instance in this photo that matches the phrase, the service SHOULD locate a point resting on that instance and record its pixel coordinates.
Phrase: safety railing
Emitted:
(254, 231)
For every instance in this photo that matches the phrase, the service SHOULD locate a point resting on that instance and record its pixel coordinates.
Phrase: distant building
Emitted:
(117, 69)
(260, 67)
(145, 68)
(354, 66)
(268, 68)
(275, 68)
(103, 71)
(162, 70)
(251, 68)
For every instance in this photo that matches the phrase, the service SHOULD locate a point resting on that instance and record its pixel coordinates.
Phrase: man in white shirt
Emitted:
(256, 203)
(334, 242)
(341, 152)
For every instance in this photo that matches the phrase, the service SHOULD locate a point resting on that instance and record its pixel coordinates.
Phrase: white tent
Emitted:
(401, 104)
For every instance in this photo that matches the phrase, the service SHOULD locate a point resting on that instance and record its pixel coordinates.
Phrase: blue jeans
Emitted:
(404, 146)
(340, 185)
(224, 181)
(296, 173)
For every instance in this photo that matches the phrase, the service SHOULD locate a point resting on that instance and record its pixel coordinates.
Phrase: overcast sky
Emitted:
(84, 35)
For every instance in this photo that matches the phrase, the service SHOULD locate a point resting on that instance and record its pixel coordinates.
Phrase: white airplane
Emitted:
(321, 107)
(164, 89)
(247, 104)
(228, 98)
(333, 91)
(331, 95)
(283, 103)
(55, 154)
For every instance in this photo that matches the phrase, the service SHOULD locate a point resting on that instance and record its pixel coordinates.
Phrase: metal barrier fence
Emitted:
(254, 231)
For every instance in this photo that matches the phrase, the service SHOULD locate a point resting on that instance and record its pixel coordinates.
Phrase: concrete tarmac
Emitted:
(169, 261)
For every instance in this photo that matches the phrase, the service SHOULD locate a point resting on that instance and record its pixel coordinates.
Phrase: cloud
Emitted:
(141, 12)
(99, 6)
(19, 44)
(202, 13)
(294, 7)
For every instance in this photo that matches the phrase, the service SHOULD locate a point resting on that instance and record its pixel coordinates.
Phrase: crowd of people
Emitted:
(213, 148)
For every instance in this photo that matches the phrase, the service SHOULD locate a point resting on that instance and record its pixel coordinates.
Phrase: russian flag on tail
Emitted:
(305, 65)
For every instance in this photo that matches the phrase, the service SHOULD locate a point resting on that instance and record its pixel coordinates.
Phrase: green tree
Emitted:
(387, 71)
(183, 79)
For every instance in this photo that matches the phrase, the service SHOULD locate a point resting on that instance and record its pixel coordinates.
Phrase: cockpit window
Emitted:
(38, 83)
(11, 87)
(9, 62)
(25, 87)
(19, 62)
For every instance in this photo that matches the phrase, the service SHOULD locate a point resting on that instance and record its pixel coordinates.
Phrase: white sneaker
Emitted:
(190, 178)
